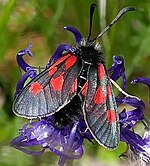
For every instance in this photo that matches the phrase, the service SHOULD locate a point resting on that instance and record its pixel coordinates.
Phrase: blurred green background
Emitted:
(41, 22)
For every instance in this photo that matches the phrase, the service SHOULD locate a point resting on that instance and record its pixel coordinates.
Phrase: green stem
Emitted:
(106, 44)
(69, 162)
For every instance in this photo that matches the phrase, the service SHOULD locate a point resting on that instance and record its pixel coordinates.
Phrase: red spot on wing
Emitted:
(84, 89)
(74, 86)
(100, 96)
(109, 91)
(52, 71)
(35, 88)
(61, 60)
(70, 62)
(101, 71)
(111, 116)
(57, 83)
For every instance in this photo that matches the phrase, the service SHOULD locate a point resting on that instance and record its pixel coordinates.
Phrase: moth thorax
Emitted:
(90, 52)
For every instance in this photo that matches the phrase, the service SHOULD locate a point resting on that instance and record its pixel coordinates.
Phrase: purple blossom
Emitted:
(23, 65)
(139, 146)
(69, 140)
(142, 80)
(30, 72)
(146, 155)
(76, 33)
(118, 70)
(128, 119)
(58, 53)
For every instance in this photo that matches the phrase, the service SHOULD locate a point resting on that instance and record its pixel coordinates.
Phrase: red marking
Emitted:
(61, 60)
(108, 91)
(101, 71)
(52, 71)
(100, 96)
(35, 88)
(57, 82)
(111, 116)
(70, 62)
(74, 86)
(84, 89)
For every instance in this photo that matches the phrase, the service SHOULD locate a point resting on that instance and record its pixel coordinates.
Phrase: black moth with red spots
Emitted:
(75, 84)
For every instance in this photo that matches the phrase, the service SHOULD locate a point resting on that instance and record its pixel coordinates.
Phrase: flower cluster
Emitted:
(65, 137)
(66, 143)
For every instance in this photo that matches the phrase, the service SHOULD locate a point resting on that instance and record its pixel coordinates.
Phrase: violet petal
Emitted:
(143, 80)
(76, 33)
(59, 52)
(118, 70)
(135, 141)
(21, 63)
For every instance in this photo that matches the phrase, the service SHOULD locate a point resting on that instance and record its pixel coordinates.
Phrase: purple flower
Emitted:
(23, 65)
(118, 70)
(142, 80)
(65, 142)
(146, 156)
(30, 72)
(130, 118)
(139, 146)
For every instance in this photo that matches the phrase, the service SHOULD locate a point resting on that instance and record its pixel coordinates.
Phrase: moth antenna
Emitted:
(92, 9)
(119, 15)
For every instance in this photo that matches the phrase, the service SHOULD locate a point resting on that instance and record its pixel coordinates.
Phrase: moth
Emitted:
(78, 73)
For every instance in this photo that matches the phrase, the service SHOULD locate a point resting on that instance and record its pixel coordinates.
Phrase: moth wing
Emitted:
(100, 109)
(50, 90)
